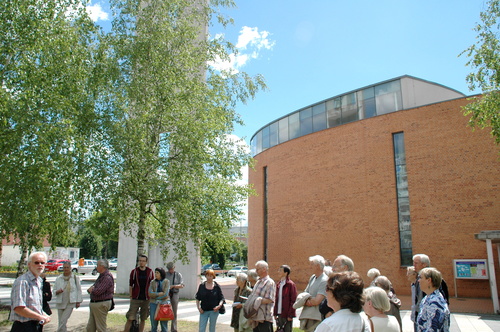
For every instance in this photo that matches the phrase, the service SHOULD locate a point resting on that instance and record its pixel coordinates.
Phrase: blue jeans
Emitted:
(154, 323)
(204, 317)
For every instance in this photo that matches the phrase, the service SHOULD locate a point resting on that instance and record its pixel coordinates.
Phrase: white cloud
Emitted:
(251, 42)
(96, 13)
(251, 37)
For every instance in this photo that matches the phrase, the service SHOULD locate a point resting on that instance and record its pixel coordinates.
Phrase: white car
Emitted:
(237, 269)
(89, 266)
(113, 263)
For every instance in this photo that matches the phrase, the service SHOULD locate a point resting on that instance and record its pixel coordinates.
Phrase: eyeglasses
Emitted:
(39, 263)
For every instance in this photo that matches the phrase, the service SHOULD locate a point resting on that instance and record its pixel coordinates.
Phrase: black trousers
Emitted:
(264, 327)
(30, 326)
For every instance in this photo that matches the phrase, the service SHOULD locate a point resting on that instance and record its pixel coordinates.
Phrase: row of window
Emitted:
(376, 100)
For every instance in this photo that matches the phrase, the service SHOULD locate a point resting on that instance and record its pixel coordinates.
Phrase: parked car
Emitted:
(213, 266)
(237, 269)
(89, 266)
(53, 264)
(113, 263)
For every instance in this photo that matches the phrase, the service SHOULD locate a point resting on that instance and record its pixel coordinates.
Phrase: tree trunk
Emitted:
(21, 265)
(140, 230)
(106, 245)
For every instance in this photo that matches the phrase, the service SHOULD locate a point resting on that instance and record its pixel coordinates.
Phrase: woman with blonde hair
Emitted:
(434, 314)
(376, 304)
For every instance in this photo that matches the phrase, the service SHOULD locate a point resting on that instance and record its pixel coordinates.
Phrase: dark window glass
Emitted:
(306, 125)
(259, 141)
(265, 138)
(319, 117)
(368, 103)
(388, 97)
(256, 143)
(349, 108)
(283, 130)
(294, 126)
(369, 108)
(333, 112)
(403, 199)
(273, 134)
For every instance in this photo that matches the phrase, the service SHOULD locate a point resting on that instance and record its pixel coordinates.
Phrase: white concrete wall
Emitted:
(127, 255)
(10, 255)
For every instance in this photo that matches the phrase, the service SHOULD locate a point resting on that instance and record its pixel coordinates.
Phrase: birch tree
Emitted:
(51, 67)
(179, 171)
(485, 62)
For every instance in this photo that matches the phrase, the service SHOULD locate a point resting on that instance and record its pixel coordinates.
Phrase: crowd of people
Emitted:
(30, 295)
(149, 290)
(335, 298)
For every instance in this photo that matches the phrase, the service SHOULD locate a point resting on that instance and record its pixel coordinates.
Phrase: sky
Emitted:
(312, 50)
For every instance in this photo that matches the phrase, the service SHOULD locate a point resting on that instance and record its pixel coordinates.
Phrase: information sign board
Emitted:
(470, 268)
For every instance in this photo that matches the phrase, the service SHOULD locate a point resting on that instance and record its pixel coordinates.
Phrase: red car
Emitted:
(53, 264)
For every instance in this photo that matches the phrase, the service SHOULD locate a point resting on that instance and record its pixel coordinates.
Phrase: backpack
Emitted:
(443, 289)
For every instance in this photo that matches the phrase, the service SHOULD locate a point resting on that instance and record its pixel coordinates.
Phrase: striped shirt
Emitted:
(266, 289)
(104, 287)
(26, 292)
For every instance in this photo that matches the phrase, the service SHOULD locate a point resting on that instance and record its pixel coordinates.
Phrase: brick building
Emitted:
(377, 174)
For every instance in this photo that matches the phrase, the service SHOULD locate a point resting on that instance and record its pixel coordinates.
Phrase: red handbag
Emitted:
(164, 312)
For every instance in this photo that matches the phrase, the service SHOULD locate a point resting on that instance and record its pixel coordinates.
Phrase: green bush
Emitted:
(9, 268)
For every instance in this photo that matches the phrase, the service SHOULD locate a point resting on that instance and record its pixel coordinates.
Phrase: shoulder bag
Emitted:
(112, 300)
(171, 290)
(112, 304)
(164, 312)
(222, 309)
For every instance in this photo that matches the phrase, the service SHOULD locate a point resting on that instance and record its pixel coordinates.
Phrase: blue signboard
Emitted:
(471, 268)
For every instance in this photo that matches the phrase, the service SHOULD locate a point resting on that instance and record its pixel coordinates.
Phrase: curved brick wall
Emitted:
(333, 192)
